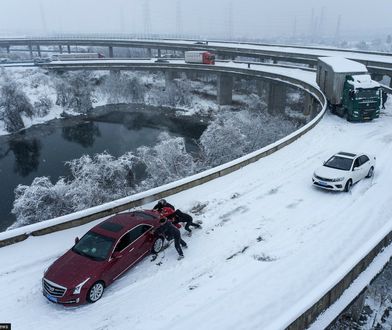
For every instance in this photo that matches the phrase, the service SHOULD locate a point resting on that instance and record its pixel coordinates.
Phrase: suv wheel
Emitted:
(370, 173)
(95, 293)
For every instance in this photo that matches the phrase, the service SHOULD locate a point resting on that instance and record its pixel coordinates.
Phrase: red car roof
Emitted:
(119, 224)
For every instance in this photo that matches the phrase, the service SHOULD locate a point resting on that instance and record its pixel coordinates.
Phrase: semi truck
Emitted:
(349, 88)
(199, 57)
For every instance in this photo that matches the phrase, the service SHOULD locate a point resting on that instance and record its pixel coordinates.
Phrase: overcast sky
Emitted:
(226, 18)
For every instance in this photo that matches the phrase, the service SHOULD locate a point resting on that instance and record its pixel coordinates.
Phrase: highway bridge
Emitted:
(303, 312)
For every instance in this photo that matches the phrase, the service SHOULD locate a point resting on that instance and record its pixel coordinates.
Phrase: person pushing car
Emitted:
(170, 232)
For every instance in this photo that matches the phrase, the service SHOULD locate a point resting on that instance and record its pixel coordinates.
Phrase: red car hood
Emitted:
(71, 269)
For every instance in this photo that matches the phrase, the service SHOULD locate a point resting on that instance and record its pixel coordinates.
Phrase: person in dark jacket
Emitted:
(170, 232)
(384, 97)
(179, 216)
(161, 204)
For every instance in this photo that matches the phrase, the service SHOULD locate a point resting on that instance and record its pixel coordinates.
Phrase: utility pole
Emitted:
(179, 26)
(147, 17)
(337, 32)
(43, 18)
(230, 21)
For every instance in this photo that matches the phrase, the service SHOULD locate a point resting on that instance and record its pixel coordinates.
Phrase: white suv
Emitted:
(342, 170)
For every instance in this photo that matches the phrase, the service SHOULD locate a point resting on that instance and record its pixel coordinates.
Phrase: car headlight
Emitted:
(79, 287)
(337, 179)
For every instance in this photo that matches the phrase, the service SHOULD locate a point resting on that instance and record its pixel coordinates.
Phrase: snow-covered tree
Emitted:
(99, 179)
(42, 106)
(40, 201)
(167, 161)
(221, 142)
(13, 103)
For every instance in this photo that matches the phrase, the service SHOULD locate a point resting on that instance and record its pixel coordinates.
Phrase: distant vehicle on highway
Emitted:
(41, 60)
(343, 170)
(161, 60)
(76, 56)
(199, 57)
(103, 254)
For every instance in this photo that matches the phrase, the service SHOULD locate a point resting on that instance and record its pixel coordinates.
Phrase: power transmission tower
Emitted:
(147, 17)
(337, 32)
(230, 21)
(43, 18)
(179, 26)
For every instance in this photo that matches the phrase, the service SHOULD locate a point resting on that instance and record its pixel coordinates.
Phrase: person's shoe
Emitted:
(180, 257)
(185, 246)
(189, 233)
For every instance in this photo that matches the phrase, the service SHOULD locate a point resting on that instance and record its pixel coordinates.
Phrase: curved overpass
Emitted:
(379, 63)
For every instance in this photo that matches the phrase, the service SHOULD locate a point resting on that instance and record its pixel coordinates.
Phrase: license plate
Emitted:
(51, 298)
(323, 183)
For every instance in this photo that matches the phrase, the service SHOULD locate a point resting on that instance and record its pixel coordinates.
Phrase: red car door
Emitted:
(130, 248)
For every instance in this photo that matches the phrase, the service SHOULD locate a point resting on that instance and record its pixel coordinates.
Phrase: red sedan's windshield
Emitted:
(94, 246)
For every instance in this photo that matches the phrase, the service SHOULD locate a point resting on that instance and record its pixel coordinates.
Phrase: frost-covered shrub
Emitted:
(121, 88)
(42, 106)
(13, 103)
(74, 91)
(167, 161)
(221, 142)
(40, 201)
(100, 179)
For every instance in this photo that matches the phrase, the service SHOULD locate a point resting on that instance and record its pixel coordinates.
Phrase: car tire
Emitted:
(95, 292)
(348, 185)
(157, 245)
(370, 173)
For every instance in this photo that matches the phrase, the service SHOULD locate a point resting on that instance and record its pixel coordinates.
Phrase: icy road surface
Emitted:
(269, 239)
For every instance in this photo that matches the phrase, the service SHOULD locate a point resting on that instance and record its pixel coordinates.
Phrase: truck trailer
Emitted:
(76, 56)
(199, 57)
(349, 88)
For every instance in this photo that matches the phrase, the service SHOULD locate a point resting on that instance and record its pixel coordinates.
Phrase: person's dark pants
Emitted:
(190, 223)
(178, 242)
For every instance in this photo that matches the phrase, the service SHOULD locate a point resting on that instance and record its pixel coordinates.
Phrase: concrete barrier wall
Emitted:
(85, 216)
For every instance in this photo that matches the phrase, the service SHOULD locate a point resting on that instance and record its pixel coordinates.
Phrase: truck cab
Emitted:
(361, 98)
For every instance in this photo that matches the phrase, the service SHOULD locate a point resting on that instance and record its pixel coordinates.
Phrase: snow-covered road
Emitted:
(269, 239)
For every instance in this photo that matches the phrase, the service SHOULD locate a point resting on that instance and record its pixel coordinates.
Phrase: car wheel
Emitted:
(370, 173)
(348, 185)
(96, 291)
(157, 246)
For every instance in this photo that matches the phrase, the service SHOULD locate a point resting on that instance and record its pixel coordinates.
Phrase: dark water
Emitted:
(42, 150)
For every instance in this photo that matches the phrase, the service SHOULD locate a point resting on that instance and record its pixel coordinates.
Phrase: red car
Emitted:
(103, 254)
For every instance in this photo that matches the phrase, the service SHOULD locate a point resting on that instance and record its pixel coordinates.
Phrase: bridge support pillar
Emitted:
(149, 52)
(111, 53)
(60, 49)
(159, 53)
(31, 51)
(39, 50)
(390, 81)
(69, 49)
(308, 105)
(262, 87)
(276, 98)
(225, 89)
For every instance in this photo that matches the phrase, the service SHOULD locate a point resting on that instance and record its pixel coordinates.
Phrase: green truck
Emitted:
(349, 88)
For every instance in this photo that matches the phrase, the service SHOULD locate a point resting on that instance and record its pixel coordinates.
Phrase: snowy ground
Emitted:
(269, 239)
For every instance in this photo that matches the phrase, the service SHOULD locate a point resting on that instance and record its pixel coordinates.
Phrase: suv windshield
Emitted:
(94, 246)
(340, 163)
